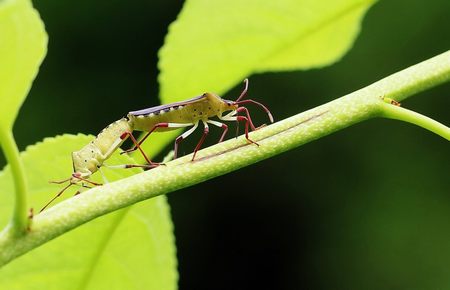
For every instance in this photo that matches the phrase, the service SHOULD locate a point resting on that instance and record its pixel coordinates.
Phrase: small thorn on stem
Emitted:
(391, 101)
(31, 213)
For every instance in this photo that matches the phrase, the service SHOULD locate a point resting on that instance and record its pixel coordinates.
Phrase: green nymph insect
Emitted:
(187, 113)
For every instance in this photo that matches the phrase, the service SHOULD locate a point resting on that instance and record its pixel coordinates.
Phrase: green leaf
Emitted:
(215, 44)
(132, 248)
(23, 45)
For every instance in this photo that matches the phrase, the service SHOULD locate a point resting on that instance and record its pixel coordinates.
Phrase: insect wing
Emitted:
(167, 107)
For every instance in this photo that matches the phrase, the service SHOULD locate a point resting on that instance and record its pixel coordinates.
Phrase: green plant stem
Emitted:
(227, 156)
(19, 222)
(402, 114)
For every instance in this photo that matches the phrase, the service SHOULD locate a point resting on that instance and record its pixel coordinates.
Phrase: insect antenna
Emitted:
(244, 92)
(259, 104)
(58, 195)
(239, 101)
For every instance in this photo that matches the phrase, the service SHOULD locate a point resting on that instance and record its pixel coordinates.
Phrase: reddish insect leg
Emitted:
(136, 144)
(240, 118)
(244, 109)
(56, 196)
(205, 133)
(159, 125)
(221, 125)
(182, 137)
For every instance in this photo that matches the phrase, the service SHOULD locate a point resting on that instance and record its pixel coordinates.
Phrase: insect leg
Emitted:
(205, 133)
(144, 166)
(244, 109)
(159, 125)
(136, 144)
(221, 125)
(71, 182)
(231, 114)
(182, 137)
(56, 196)
(85, 180)
(240, 118)
(105, 180)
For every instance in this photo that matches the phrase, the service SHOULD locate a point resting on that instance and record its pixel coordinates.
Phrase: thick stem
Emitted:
(227, 156)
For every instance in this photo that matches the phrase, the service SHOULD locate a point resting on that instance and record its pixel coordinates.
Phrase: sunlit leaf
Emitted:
(129, 249)
(23, 45)
(213, 45)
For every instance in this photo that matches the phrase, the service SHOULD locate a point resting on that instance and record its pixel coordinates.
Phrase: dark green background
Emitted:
(364, 208)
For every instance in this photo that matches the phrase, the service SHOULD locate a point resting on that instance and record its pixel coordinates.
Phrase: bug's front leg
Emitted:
(245, 110)
(239, 119)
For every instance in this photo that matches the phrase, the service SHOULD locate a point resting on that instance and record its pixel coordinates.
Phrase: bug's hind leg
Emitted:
(159, 125)
(136, 144)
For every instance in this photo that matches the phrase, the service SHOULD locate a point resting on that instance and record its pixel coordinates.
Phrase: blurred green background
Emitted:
(364, 208)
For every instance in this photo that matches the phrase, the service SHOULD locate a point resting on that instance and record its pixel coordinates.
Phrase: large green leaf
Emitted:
(215, 44)
(23, 45)
(129, 249)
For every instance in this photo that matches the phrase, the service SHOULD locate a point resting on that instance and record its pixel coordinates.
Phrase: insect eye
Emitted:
(85, 160)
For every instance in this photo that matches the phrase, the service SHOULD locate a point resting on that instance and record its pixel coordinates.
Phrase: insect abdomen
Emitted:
(109, 137)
